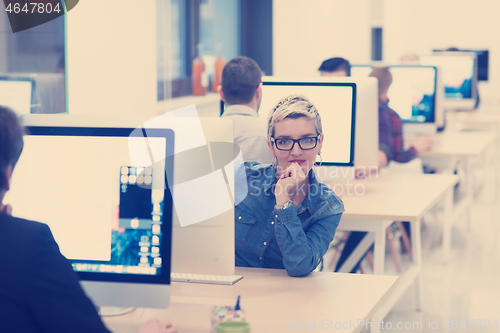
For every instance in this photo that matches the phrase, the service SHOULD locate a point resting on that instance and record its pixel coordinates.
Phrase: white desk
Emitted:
(460, 144)
(390, 198)
(453, 148)
(477, 120)
(273, 301)
(470, 119)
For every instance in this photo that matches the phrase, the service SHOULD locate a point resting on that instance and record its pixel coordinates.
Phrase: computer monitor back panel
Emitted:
(207, 246)
(459, 77)
(110, 215)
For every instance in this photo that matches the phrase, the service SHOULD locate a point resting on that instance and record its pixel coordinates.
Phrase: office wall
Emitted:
(418, 26)
(111, 58)
(307, 32)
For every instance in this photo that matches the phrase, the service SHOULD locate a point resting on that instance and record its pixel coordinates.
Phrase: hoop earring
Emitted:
(275, 162)
(320, 159)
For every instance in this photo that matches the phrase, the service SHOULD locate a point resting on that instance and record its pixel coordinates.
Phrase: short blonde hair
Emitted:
(293, 106)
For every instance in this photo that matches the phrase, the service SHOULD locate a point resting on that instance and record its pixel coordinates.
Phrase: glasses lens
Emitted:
(307, 143)
(284, 144)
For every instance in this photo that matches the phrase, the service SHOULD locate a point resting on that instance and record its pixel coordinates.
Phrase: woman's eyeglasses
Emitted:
(288, 144)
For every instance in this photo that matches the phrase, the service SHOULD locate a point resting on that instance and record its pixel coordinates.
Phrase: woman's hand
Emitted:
(289, 182)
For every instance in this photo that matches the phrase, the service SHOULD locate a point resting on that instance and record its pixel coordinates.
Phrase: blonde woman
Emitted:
(287, 219)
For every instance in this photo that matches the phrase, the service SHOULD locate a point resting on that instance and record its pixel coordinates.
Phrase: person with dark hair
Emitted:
(391, 126)
(241, 90)
(391, 148)
(39, 291)
(335, 67)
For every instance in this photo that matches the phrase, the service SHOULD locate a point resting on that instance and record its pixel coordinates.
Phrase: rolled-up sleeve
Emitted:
(302, 250)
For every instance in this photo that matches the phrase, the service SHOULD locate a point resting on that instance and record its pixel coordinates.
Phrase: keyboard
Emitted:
(211, 279)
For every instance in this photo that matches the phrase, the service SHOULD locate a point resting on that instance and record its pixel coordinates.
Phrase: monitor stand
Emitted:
(111, 311)
(419, 129)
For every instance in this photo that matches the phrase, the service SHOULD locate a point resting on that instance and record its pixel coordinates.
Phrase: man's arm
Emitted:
(54, 295)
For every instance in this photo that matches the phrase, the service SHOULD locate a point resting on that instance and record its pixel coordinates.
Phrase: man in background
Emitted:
(335, 67)
(241, 90)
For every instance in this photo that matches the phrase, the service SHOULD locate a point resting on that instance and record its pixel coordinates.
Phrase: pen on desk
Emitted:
(237, 307)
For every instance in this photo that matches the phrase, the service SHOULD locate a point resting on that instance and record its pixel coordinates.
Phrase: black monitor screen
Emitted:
(412, 93)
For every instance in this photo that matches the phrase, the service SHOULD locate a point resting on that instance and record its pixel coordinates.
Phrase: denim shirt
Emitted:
(295, 238)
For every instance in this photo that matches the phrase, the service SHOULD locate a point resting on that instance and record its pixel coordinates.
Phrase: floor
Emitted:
(464, 295)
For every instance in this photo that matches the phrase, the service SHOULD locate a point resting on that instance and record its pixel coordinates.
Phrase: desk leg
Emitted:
(447, 224)
(379, 250)
(490, 179)
(469, 192)
(416, 247)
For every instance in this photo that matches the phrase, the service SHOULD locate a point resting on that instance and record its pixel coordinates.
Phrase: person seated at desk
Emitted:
(335, 67)
(241, 90)
(391, 145)
(391, 148)
(287, 219)
(39, 291)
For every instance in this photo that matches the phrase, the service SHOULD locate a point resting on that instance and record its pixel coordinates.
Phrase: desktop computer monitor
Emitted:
(202, 183)
(459, 77)
(111, 217)
(414, 94)
(336, 103)
(17, 92)
(482, 62)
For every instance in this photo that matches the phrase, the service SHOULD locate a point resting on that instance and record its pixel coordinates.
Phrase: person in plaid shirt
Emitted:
(391, 145)
(391, 148)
